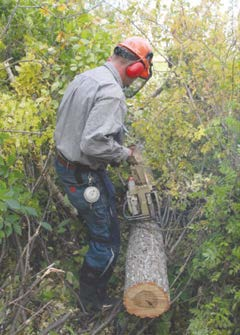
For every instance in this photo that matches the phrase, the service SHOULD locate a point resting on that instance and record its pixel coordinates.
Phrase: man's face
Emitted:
(127, 81)
(134, 86)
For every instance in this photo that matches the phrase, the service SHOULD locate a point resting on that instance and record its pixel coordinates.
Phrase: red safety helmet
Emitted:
(142, 49)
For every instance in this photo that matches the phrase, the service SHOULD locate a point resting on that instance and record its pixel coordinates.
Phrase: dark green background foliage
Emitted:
(188, 119)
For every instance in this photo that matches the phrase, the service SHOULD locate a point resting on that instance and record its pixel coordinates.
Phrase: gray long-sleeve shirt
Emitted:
(90, 118)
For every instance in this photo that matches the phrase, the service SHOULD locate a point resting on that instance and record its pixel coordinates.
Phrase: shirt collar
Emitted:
(115, 73)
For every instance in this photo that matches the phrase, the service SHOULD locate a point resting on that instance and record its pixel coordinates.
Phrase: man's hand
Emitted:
(135, 156)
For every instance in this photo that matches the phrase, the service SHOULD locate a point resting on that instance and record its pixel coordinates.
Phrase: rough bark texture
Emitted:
(146, 292)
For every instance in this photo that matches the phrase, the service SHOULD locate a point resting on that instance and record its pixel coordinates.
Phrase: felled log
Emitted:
(146, 292)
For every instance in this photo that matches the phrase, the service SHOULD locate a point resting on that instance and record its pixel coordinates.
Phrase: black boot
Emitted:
(88, 288)
(93, 289)
(89, 298)
(106, 301)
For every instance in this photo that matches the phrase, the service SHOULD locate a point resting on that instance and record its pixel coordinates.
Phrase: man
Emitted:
(88, 136)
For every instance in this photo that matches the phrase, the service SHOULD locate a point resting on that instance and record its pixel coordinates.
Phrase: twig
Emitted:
(182, 269)
(184, 232)
(3, 250)
(69, 286)
(145, 327)
(57, 194)
(192, 102)
(161, 89)
(181, 292)
(109, 319)
(48, 270)
(27, 258)
(23, 325)
(22, 61)
(20, 264)
(43, 172)
(30, 241)
(18, 310)
(14, 320)
(134, 329)
(56, 323)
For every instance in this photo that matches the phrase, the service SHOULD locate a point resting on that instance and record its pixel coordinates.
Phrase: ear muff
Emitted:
(135, 70)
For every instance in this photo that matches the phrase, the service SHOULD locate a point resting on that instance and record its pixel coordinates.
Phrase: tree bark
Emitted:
(146, 292)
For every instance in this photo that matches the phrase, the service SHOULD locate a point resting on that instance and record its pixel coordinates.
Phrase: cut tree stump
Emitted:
(146, 292)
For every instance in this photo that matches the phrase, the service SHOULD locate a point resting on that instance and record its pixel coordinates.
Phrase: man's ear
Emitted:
(134, 70)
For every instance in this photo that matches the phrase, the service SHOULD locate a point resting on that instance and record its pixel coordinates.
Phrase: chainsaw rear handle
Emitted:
(136, 155)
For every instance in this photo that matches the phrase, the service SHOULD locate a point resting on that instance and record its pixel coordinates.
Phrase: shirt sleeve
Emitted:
(105, 120)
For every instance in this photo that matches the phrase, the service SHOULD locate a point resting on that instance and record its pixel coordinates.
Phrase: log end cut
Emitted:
(146, 300)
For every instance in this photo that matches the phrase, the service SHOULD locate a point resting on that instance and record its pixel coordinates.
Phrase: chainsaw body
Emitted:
(142, 199)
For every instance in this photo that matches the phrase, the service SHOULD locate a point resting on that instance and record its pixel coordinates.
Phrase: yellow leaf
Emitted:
(61, 8)
(60, 36)
(207, 147)
(200, 133)
(44, 11)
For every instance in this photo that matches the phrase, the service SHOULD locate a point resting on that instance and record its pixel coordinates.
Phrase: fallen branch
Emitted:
(56, 324)
(26, 323)
(112, 315)
(8, 70)
(49, 270)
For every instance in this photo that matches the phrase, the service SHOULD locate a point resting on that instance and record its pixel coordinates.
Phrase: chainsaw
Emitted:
(142, 201)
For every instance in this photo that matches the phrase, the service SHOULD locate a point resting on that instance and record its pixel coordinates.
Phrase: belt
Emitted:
(71, 165)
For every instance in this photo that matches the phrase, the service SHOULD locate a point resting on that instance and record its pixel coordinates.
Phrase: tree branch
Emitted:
(10, 19)
(8, 70)
(23, 132)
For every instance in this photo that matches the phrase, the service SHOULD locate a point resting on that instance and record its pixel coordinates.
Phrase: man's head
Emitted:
(133, 59)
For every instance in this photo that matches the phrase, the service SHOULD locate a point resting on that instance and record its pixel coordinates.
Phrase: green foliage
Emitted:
(47, 49)
(191, 134)
(214, 318)
(15, 199)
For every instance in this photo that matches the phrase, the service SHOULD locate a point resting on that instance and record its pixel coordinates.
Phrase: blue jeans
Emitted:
(100, 217)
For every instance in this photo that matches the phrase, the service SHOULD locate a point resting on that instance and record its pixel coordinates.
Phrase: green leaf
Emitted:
(29, 210)
(3, 206)
(13, 204)
(55, 86)
(18, 229)
(46, 225)
(8, 229)
(1, 161)
(69, 277)
(2, 235)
